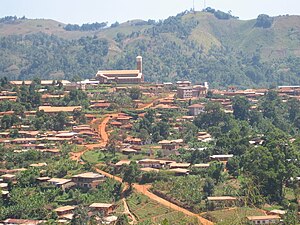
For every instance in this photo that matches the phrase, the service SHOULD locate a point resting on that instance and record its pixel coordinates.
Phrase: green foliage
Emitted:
(43, 121)
(208, 187)
(264, 21)
(215, 171)
(171, 46)
(135, 93)
(241, 108)
(130, 173)
(85, 27)
(184, 189)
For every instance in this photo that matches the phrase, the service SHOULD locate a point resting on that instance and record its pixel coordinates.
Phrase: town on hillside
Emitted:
(118, 150)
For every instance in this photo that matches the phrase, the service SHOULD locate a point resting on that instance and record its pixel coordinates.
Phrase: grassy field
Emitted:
(150, 212)
(232, 216)
(98, 156)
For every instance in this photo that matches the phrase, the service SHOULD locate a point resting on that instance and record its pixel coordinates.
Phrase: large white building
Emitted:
(122, 76)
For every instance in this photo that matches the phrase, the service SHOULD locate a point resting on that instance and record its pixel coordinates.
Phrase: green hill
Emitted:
(196, 46)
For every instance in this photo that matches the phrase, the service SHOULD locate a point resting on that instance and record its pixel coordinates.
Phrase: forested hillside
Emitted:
(203, 46)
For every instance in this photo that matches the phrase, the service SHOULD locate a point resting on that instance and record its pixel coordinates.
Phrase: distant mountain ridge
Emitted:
(191, 45)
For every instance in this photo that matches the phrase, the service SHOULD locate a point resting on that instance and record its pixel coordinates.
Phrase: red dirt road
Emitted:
(143, 189)
(103, 137)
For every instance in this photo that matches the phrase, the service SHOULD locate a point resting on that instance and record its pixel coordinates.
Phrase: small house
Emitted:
(103, 208)
(89, 179)
(269, 219)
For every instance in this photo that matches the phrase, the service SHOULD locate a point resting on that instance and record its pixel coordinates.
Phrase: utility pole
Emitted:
(204, 4)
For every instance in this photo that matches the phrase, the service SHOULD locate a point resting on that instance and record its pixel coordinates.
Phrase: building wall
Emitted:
(185, 92)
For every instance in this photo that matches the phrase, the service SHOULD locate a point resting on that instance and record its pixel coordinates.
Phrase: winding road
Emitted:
(143, 189)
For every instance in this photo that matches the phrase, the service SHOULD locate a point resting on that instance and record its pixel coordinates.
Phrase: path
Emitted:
(128, 213)
(158, 99)
(140, 188)
(143, 189)
(103, 137)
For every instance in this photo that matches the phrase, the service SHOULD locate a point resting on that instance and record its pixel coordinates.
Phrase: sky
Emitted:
(89, 11)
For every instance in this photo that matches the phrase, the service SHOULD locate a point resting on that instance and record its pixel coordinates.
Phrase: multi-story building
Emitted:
(185, 92)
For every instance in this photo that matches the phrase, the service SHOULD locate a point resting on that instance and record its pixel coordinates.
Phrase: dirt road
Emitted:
(143, 189)
(103, 137)
(152, 103)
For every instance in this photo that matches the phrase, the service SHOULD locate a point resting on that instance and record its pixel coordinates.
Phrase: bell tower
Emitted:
(139, 63)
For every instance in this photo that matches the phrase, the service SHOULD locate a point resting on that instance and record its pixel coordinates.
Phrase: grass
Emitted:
(233, 216)
(98, 156)
(147, 210)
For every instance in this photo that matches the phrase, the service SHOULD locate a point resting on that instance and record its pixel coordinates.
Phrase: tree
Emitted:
(264, 21)
(215, 171)
(60, 121)
(130, 173)
(272, 165)
(208, 187)
(135, 93)
(80, 217)
(241, 108)
(232, 166)
(122, 220)
(290, 218)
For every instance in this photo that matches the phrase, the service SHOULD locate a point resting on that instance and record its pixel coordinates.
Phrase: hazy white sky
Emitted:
(88, 11)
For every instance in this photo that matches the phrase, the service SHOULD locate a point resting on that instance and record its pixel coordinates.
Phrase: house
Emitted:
(109, 220)
(57, 109)
(8, 98)
(270, 219)
(134, 141)
(65, 211)
(185, 92)
(124, 119)
(122, 162)
(201, 166)
(128, 150)
(38, 164)
(170, 144)
(61, 183)
(122, 76)
(183, 83)
(103, 208)
(204, 137)
(223, 201)
(100, 105)
(21, 222)
(88, 180)
(4, 186)
(43, 179)
(196, 109)
(43, 82)
(277, 212)
(200, 90)
(222, 158)
(174, 165)
(9, 178)
(151, 163)
(179, 171)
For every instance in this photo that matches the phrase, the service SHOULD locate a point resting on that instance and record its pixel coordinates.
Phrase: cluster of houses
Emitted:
(48, 141)
(34, 139)
(179, 168)
(65, 213)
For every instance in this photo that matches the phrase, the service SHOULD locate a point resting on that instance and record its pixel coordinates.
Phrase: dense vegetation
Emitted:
(85, 27)
(184, 46)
